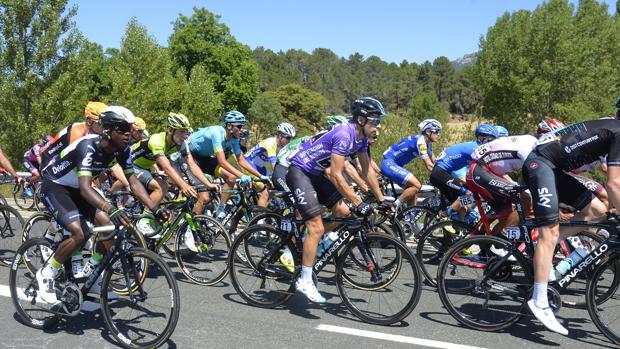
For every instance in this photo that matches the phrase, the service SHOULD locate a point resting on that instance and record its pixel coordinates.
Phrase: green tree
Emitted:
(265, 115)
(200, 101)
(304, 108)
(427, 106)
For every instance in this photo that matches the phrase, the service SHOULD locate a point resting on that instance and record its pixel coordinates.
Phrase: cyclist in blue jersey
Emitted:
(407, 149)
(453, 159)
(306, 179)
(210, 146)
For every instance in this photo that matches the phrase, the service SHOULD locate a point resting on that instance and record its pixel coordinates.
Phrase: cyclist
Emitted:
(75, 131)
(545, 170)
(407, 149)
(502, 131)
(210, 147)
(32, 157)
(156, 150)
(310, 187)
(263, 156)
(454, 158)
(138, 131)
(67, 191)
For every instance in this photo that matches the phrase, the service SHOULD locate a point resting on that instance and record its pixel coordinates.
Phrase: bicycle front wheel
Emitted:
(386, 289)
(480, 289)
(146, 317)
(603, 298)
(24, 198)
(11, 225)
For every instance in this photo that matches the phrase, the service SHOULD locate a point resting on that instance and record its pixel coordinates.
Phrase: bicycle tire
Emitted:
(11, 226)
(110, 309)
(22, 201)
(262, 246)
(434, 242)
(478, 314)
(30, 231)
(406, 271)
(24, 256)
(597, 301)
(211, 232)
(415, 219)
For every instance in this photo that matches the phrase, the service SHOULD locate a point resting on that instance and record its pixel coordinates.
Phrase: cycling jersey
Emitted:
(62, 139)
(210, 140)
(582, 143)
(30, 158)
(456, 156)
(84, 158)
(314, 155)
(146, 152)
(291, 148)
(407, 149)
(263, 156)
(504, 155)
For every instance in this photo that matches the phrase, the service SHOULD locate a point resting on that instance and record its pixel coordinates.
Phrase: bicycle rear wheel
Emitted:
(603, 298)
(33, 311)
(203, 256)
(258, 276)
(480, 289)
(148, 317)
(24, 198)
(11, 225)
(387, 288)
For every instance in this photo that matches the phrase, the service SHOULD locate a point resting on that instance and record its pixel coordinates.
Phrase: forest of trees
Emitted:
(559, 59)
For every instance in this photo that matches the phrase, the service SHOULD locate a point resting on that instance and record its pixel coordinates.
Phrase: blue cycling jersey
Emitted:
(407, 149)
(209, 140)
(457, 156)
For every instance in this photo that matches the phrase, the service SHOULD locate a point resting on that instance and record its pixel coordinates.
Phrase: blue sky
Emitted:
(414, 30)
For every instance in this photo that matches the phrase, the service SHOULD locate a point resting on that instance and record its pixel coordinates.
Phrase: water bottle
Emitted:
(572, 260)
(326, 243)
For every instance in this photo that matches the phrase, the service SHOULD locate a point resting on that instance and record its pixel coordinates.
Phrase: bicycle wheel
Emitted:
(434, 242)
(603, 298)
(383, 228)
(3, 200)
(118, 283)
(11, 225)
(148, 317)
(481, 290)
(262, 280)
(203, 255)
(37, 226)
(387, 288)
(34, 312)
(414, 219)
(24, 198)
(269, 218)
(574, 295)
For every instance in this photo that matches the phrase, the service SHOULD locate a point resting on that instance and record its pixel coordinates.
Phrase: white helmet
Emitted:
(116, 115)
(429, 124)
(287, 129)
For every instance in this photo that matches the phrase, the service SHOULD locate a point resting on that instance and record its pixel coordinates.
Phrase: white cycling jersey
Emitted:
(506, 154)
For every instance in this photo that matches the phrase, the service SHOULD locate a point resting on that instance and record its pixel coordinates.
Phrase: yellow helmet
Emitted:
(140, 124)
(93, 110)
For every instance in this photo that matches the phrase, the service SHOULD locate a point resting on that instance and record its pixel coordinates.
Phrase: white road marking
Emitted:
(394, 338)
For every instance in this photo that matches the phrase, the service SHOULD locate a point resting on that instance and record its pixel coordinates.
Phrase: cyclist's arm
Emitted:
(90, 195)
(140, 192)
(613, 185)
(197, 172)
(246, 165)
(6, 164)
(429, 163)
(221, 160)
(336, 177)
(117, 172)
(370, 176)
(163, 162)
(355, 176)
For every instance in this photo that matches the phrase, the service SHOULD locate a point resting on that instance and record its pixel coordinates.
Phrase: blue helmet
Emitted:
(502, 131)
(234, 116)
(486, 130)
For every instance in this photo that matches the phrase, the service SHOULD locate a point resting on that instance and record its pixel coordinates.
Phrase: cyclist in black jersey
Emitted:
(67, 191)
(555, 154)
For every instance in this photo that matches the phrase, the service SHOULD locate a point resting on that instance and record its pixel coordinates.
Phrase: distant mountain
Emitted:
(468, 59)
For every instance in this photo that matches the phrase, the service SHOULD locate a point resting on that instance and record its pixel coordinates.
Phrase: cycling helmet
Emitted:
(429, 124)
(286, 129)
(486, 130)
(140, 124)
(177, 121)
(93, 110)
(368, 107)
(114, 116)
(335, 120)
(502, 131)
(47, 138)
(549, 125)
(234, 116)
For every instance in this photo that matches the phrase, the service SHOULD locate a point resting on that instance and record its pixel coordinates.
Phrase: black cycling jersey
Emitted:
(84, 157)
(582, 143)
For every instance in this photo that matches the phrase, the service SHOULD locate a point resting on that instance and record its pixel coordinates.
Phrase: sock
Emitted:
(306, 274)
(397, 203)
(540, 295)
(96, 258)
(51, 269)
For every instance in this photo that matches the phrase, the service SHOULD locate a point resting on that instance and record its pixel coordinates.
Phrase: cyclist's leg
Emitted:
(595, 187)
(154, 187)
(449, 186)
(278, 177)
(405, 179)
(575, 194)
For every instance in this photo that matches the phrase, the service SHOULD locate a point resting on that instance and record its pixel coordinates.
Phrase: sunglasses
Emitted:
(239, 126)
(285, 136)
(374, 121)
(123, 128)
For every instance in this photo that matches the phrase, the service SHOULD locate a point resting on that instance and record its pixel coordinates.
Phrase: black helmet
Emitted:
(368, 107)
(115, 116)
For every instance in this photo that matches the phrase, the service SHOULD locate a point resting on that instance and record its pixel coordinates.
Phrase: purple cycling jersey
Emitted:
(31, 154)
(314, 155)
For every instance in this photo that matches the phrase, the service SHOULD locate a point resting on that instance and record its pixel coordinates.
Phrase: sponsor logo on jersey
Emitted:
(61, 167)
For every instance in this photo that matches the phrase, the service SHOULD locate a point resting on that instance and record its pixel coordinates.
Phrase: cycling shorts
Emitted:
(490, 187)
(543, 179)
(394, 172)
(278, 178)
(144, 176)
(66, 204)
(449, 186)
(310, 191)
(208, 164)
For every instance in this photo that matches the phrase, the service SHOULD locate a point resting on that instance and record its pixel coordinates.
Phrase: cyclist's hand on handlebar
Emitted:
(188, 191)
(245, 180)
(20, 180)
(119, 216)
(386, 207)
(363, 210)
(162, 214)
